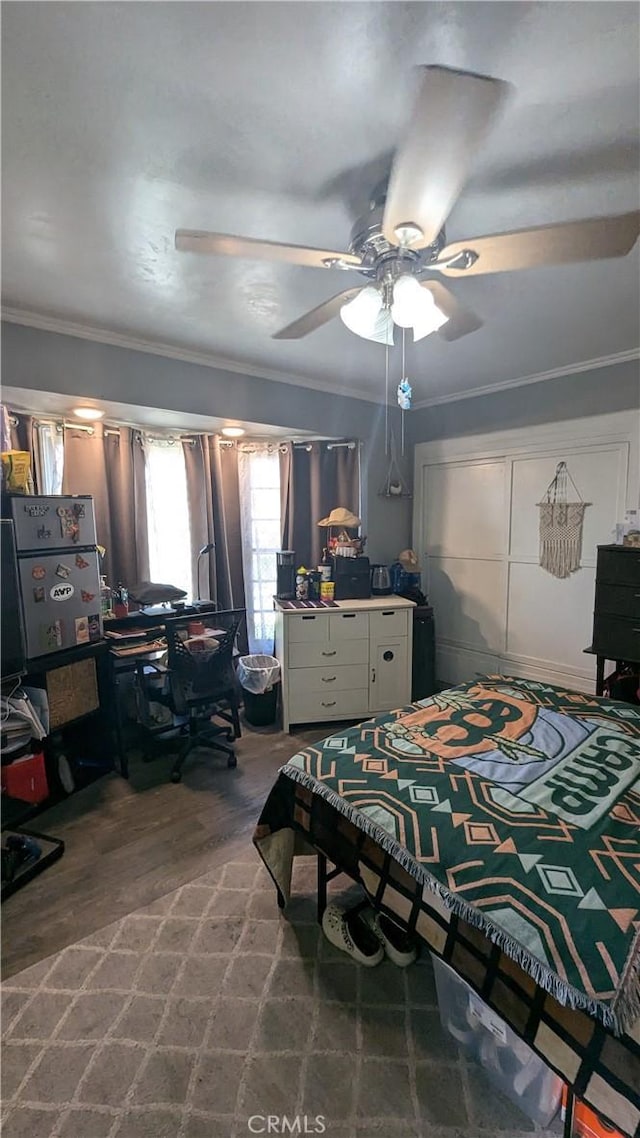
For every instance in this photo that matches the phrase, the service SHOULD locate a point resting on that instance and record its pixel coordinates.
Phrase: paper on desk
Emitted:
(18, 712)
(40, 703)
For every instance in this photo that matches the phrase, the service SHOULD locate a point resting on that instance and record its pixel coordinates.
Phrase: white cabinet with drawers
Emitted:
(348, 662)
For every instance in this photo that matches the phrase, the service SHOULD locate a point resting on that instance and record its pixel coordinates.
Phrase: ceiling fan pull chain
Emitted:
(386, 399)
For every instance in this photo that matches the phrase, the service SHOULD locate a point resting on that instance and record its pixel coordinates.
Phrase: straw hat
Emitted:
(409, 561)
(341, 517)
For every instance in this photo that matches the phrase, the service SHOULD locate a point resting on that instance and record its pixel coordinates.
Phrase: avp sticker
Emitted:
(61, 592)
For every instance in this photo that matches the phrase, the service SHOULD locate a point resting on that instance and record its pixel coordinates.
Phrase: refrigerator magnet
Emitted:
(82, 630)
(93, 621)
(51, 635)
(63, 571)
(38, 594)
(81, 562)
(38, 572)
(87, 597)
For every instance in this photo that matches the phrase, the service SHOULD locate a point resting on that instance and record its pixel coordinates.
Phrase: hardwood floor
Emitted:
(129, 842)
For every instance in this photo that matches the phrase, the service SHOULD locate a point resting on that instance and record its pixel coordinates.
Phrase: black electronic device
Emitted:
(352, 577)
(286, 574)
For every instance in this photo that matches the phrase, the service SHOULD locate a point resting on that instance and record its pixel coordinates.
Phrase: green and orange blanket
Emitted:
(516, 804)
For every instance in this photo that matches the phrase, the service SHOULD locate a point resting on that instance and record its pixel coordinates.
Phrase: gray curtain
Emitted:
(127, 501)
(110, 467)
(214, 509)
(313, 481)
(197, 461)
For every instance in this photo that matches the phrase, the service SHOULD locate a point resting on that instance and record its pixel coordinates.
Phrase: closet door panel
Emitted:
(600, 475)
(550, 619)
(468, 597)
(465, 509)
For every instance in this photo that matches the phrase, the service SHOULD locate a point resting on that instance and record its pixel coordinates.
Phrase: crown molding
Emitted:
(539, 377)
(205, 359)
(173, 352)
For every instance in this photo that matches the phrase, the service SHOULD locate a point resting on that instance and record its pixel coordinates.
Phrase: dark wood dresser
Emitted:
(616, 614)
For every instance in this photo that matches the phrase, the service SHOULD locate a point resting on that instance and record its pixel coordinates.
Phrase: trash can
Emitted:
(259, 678)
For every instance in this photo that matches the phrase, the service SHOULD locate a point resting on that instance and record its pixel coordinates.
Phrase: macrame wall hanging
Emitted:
(561, 525)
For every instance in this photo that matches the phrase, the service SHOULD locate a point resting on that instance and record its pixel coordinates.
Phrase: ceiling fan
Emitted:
(402, 238)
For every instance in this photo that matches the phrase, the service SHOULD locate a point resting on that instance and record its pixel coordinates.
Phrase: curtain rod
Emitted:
(170, 440)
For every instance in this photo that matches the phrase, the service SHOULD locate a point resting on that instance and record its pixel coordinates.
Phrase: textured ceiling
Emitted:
(122, 122)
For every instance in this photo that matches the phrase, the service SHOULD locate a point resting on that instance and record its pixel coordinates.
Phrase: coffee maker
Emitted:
(285, 574)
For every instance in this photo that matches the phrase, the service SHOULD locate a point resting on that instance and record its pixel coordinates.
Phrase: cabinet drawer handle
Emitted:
(389, 612)
(330, 653)
(349, 615)
(308, 618)
(328, 679)
(329, 703)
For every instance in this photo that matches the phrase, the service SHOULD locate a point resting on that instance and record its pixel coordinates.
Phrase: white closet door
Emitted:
(476, 523)
(465, 519)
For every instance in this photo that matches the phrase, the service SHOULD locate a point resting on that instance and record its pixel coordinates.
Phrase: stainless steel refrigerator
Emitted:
(58, 570)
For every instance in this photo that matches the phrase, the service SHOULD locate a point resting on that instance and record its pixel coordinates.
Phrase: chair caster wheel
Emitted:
(232, 761)
(176, 776)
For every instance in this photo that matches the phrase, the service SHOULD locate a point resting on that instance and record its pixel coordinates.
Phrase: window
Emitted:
(259, 473)
(168, 515)
(50, 457)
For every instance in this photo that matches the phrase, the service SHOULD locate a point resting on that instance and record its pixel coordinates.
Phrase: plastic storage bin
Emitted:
(510, 1064)
(259, 676)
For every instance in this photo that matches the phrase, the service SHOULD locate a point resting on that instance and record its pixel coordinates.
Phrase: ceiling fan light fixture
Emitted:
(428, 321)
(361, 314)
(407, 299)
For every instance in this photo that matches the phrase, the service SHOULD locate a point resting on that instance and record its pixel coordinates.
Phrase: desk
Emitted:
(119, 666)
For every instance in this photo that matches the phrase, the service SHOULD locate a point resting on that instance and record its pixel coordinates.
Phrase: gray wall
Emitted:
(597, 392)
(47, 361)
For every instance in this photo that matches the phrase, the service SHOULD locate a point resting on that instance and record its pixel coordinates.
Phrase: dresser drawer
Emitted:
(307, 627)
(389, 622)
(620, 566)
(616, 638)
(329, 653)
(341, 678)
(348, 625)
(313, 706)
(618, 600)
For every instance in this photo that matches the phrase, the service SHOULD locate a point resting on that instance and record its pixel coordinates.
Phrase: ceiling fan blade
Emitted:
(450, 118)
(316, 317)
(589, 240)
(227, 245)
(460, 320)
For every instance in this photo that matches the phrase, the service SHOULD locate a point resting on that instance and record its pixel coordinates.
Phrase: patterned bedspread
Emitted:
(500, 821)
(520, 804)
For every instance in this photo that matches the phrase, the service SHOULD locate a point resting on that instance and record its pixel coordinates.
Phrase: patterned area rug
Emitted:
(206, 1012)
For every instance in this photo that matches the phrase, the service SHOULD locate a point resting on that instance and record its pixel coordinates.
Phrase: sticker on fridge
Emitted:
(51, 635)
(93, 622)
(62, 592)
(82, 630)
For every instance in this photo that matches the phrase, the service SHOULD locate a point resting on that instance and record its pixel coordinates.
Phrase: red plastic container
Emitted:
(26, 779)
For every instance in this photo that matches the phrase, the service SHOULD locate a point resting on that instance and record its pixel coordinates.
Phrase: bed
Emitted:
(500, 821)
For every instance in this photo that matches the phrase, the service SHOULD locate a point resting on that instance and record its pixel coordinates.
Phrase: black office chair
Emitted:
(202, 684)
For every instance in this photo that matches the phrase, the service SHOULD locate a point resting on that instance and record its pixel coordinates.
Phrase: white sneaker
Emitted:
(397, 944)
(354, 937)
